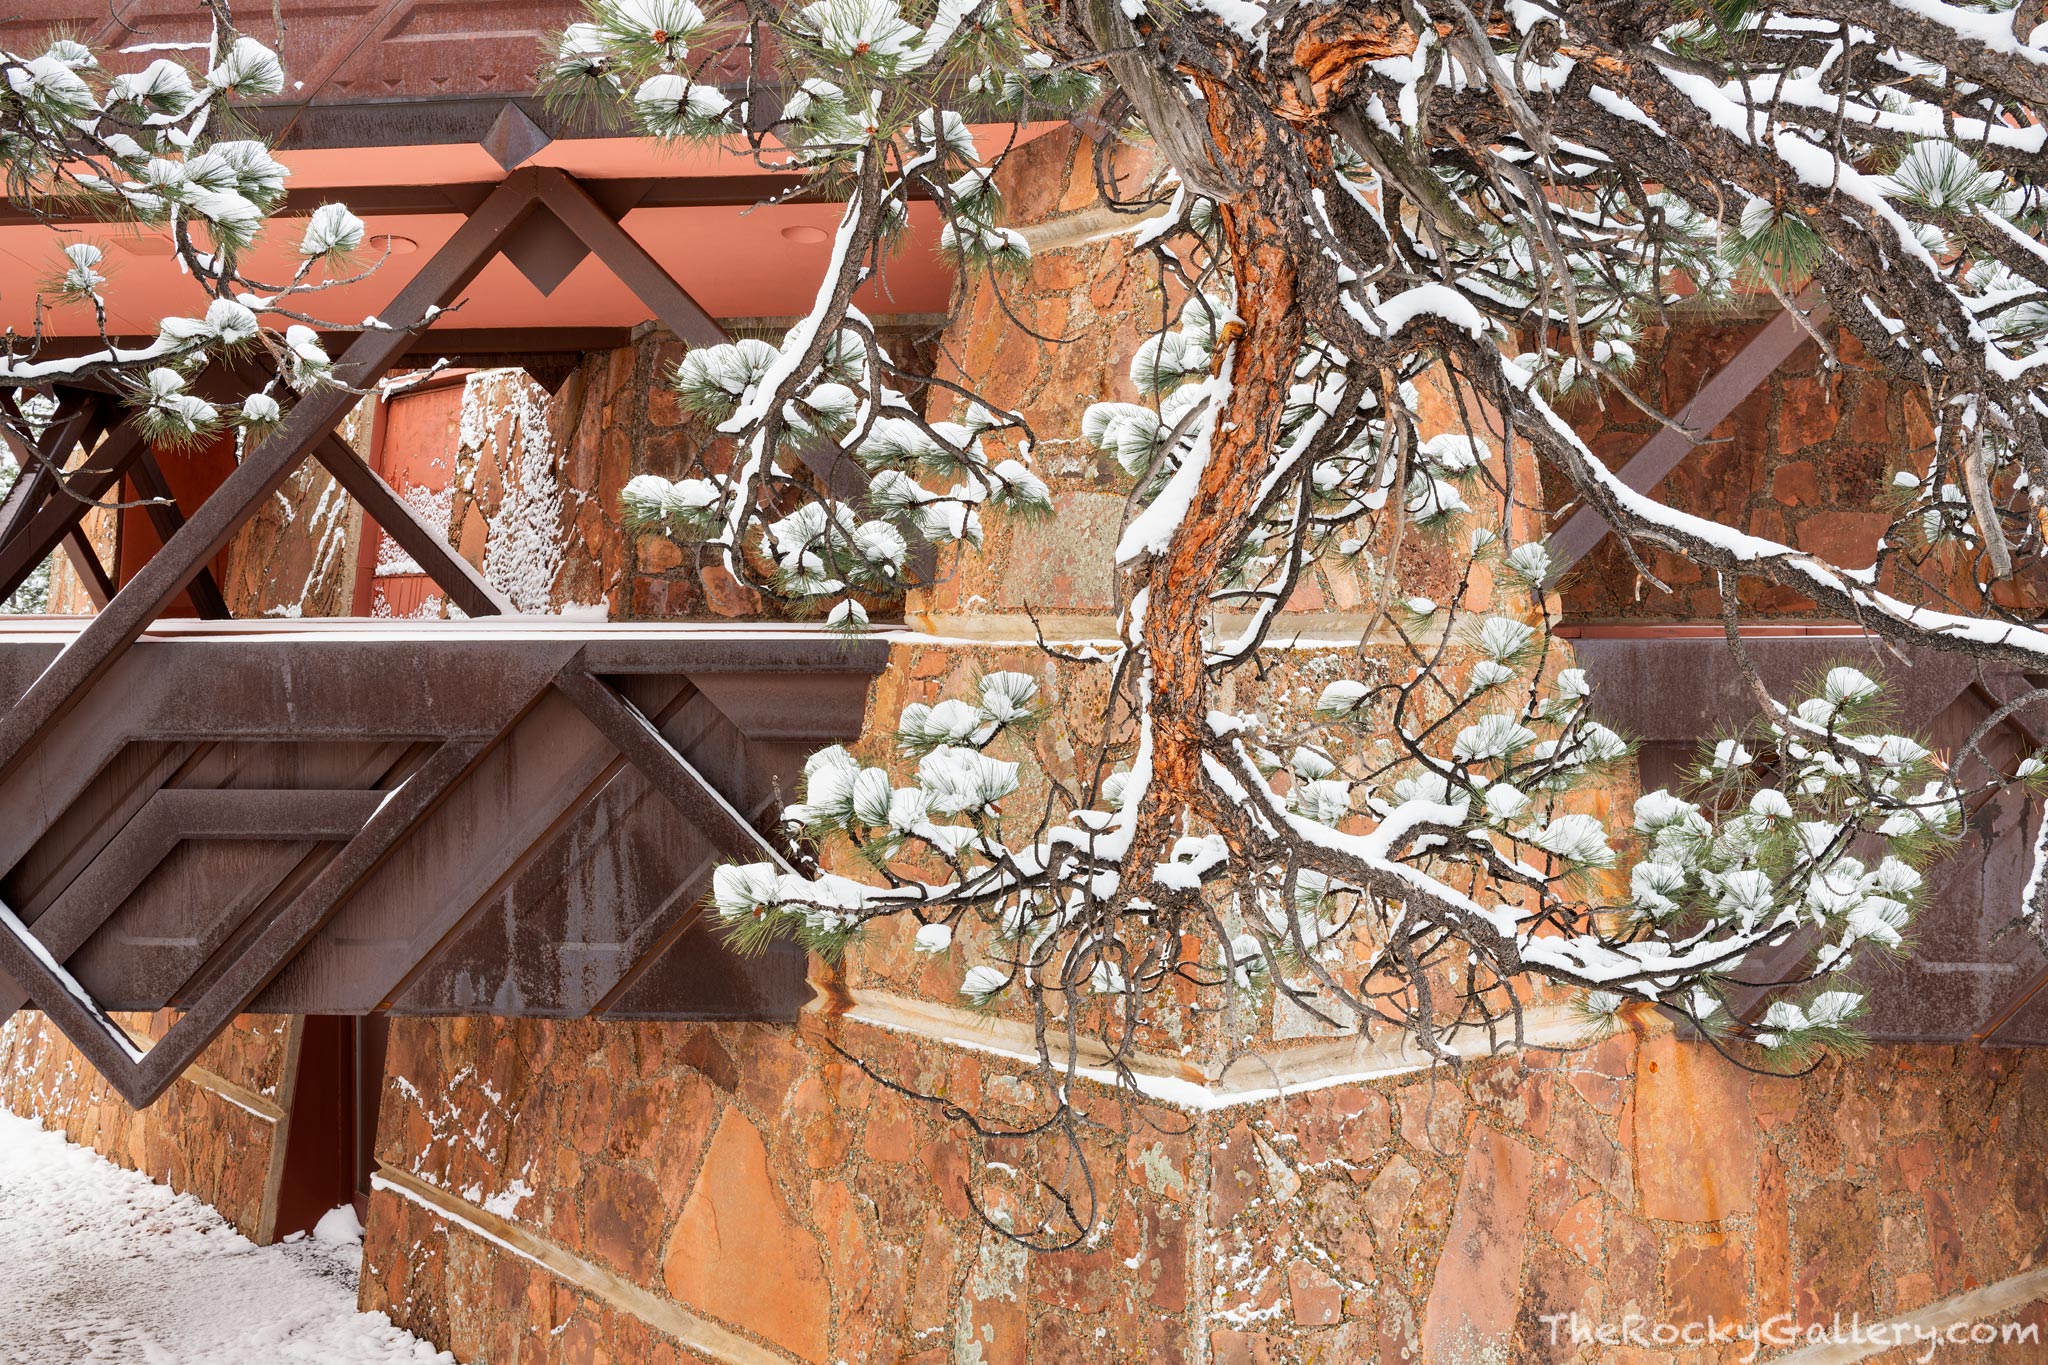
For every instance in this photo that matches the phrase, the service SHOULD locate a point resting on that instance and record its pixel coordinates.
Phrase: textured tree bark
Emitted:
(1265, 266)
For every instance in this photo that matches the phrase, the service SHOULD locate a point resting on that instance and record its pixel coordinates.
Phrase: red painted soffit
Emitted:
(735, 260)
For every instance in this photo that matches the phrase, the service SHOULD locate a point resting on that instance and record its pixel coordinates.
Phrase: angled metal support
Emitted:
(1664, 452)
(85, 562)
(64, 507)
(672, 305)
(626, 258)
(456, 576)
(2011, 1009)
(141, 1077)
(169, 818)
(215, 522)
(37, 486)
(522, 824)
(637, 737)
(82, 421)
(82, 418)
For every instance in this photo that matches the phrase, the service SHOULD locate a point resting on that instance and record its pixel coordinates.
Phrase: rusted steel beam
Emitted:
(65, 506)
(1719, 396)
(215, 522)
(161, 506)
(456, 576)
(571, 202)
(2021, 998)
(78, 420)
(142, 1077)
(169, 818)
(630, 731)
(85, 562)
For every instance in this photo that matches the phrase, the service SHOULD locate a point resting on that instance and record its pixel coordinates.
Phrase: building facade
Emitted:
(579, 1128)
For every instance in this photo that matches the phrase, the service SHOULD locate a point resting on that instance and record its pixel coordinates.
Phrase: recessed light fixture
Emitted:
(145, 244)
(397, 246)
(805, 236)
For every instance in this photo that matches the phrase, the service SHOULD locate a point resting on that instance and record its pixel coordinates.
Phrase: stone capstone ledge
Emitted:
(696, 1334)
(1982, 1304)
(1184, 1084)
(261, 1107)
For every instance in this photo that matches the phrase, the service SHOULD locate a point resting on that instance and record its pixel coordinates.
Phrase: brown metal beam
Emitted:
(169, 818)
(65, 506)
(79, 419)
(2021, 998)
(142, 1077)
(667, 771)
(1718, 397)
(85, 562)
(571, 202)
(215, 522)
(456, 576)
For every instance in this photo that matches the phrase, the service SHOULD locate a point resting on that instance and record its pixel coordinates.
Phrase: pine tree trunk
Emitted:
(1267, 278)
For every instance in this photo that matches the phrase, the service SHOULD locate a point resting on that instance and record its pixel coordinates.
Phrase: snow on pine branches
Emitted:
(161, 150)
(1391, 238)
(851, 111)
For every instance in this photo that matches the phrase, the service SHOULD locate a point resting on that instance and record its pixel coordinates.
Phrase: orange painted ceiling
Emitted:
(736, 261)
(432, 73)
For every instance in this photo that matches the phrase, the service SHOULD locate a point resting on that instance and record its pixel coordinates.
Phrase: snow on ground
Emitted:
(99, 1264)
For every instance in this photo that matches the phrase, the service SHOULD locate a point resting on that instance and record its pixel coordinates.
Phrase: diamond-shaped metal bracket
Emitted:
(140, 1076)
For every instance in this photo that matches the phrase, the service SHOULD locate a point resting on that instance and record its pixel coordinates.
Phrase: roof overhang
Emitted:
(738, 238)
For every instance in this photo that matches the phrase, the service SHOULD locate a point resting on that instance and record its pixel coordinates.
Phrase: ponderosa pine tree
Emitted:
(1354, 199)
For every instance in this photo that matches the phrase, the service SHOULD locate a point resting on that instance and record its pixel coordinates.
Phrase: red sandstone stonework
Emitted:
(1692, 1168)
(736, 1255)
(1478, 1276)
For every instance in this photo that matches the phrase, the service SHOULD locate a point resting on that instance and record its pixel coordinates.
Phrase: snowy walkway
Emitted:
(98, 1264)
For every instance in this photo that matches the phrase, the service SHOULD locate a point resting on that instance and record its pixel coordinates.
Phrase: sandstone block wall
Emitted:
(584, 1192)
(1806, 460)
(732, 1193)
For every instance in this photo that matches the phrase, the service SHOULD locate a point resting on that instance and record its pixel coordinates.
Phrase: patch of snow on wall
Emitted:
(504, 427)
